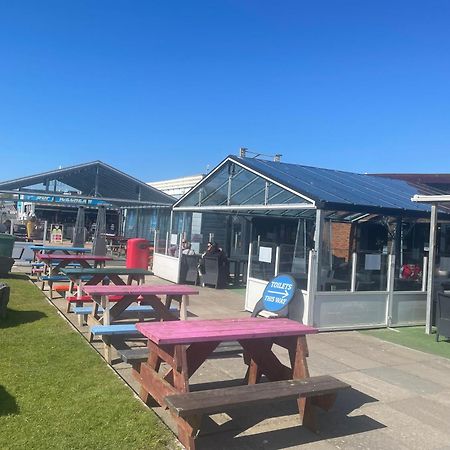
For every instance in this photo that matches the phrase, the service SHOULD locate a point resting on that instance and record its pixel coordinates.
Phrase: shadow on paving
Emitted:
(333, 424)
(8, 404)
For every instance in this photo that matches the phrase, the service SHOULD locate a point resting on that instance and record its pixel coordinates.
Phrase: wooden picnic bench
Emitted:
(145, 294)
(185, 346)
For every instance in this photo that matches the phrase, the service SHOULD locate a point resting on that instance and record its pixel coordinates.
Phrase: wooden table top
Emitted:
(187, 332)
(141, 289)
(59, 257)
(105, 271)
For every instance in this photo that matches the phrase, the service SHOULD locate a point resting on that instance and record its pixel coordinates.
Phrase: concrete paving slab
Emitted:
(406, 429)
(429, 371)
(426, 411)
(375, 388)
(404, 380)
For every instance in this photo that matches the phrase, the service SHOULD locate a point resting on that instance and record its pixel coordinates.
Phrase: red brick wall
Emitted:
(341, 236)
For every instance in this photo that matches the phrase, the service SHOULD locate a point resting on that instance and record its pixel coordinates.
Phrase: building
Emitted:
(356, 243)
(134, 208)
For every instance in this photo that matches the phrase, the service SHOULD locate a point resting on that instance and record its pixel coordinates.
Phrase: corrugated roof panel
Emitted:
(333, 186)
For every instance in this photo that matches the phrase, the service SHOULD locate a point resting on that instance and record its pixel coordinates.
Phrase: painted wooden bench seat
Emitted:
(114, 330)
(318, 391)
(141, 311)
(110, 332)
(79, 301)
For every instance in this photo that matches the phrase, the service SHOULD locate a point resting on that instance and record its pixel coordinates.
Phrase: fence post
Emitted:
(311, 289)
(353, 280)
(277, 260)
(424, 273)
(390, 289)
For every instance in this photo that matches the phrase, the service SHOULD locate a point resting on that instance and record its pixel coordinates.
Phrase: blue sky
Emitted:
(161, 89)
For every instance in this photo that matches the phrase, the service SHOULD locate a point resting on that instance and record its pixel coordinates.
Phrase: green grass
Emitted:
(56, 392)
(413, 337)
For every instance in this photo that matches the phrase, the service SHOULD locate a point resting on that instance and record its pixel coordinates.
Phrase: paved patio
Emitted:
(400, 398)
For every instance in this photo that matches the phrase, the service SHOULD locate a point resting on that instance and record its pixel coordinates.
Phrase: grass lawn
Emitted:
(56, 392)
(413, 337)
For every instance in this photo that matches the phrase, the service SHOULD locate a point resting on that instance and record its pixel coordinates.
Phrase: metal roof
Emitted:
(311, 187)
(97, 180)
(335, 189)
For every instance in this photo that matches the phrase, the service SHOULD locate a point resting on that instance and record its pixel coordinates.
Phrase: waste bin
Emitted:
(6, 244)
(138, 252)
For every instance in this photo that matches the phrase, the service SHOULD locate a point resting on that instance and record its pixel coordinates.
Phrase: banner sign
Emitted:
(67, 200)
(279, 292)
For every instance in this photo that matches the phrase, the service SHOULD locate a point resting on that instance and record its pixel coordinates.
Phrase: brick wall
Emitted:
(341, 237)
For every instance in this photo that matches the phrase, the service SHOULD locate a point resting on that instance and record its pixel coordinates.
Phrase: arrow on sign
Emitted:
(286, 293)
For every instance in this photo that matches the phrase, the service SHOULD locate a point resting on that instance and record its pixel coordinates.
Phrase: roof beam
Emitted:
(300, 206)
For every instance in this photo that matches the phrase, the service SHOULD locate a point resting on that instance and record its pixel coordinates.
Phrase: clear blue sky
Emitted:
(161, 89)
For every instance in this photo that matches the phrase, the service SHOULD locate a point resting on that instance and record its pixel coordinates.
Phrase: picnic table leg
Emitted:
(106, 312)
(183, 307)
(79, 294)
(188, 430)
(300, 370)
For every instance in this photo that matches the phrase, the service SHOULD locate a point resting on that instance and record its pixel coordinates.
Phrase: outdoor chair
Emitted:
(443, 315)
(189, 269)
(214, 273)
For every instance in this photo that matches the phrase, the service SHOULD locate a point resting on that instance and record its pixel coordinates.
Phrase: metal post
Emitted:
(318, 245)
(167, 243)
(250, 249)
(277, 260)
(312, 289)
(424, 273)
(390, 289)
(171, 222)
(44, 238)
(431, 262)
(353, 280)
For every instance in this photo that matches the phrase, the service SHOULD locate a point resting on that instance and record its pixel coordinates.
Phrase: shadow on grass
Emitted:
(15, 318)
(14, 276)
(8, 404)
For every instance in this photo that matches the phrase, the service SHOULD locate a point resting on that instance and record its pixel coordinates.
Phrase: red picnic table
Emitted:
(185, 346)
(145, 293)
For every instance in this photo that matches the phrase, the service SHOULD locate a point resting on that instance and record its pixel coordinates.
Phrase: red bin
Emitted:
(138, 251)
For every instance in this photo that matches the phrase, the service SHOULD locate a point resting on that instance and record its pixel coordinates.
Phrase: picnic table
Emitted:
(185, 346)
(49, 249)
(64, 260)
(100, 275)
(146, 294)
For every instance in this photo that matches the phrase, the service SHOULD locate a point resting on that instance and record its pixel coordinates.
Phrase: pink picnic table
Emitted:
(65, 260)
(185, 346)
(146, 294)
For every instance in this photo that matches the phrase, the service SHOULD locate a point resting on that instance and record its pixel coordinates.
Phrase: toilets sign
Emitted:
(278, 293)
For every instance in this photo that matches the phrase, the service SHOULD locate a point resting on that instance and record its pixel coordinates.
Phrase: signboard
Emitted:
(372, 262)
(265, 254)
(56, 233)
(279, 292)
(67, 200)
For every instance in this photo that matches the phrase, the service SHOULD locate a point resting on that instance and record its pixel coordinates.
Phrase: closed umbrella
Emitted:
(79, 230)
(99, 246)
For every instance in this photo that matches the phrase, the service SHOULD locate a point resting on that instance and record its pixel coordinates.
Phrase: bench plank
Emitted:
(218, 400)
(112, 330)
